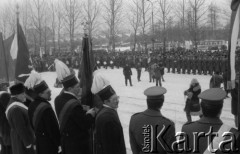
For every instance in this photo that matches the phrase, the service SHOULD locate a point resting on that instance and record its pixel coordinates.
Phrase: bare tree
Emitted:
(38, 18)
(196, 18)
(53, 15)
(72, 12)
(213, 17)
(134, 18)
(144, 8)
(8, 19)
(165, 9)
(113, 18)
(25, 11)
(59, 21)
(180, 13)
(92, 11)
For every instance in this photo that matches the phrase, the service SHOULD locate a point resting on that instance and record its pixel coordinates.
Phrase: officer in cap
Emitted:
(208, 125)
(150, 123)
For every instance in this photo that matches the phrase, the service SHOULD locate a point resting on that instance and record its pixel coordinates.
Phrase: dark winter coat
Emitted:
(4, 126)
(234, 102)
(75, 137)
(216, 81)
(45, 124)
(192, 100)
(138, 128)
(22, 134)
(127, 72)
(109, 133)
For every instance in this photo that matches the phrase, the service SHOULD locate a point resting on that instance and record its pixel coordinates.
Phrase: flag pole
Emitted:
(5, 57)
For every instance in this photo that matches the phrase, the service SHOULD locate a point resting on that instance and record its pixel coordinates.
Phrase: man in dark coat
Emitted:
(127, 72)
(139, 70)
(22, 134)
(109, 131)
(4, 125)
(210, 126)
(73, 120)
(234, 101)
(44, 121)
(216, 80)
(148, 124)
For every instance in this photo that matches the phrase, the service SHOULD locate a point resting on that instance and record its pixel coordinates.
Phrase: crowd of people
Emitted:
(29, 124)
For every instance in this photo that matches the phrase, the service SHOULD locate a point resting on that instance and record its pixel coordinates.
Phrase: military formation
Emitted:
(175, 61)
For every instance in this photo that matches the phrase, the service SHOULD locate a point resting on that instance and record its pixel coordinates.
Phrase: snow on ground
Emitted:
(133, 100)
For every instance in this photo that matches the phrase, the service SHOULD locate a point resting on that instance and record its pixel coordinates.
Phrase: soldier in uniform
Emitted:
(209, 125)
(216, 80)
(22, 134)
(184, 65)
(43, 119)
(168, 64)
(74, 121)
(127, 72)
(139, 70)
(188, 65)
(150, 122)
(109, 131)
(204, 65)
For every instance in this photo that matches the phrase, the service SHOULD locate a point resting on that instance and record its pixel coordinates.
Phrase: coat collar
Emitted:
(152, 113)
(213, 121)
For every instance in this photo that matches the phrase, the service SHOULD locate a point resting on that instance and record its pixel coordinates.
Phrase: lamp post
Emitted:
(152, 26)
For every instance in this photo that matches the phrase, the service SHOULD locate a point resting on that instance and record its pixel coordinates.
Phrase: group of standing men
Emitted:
(34, 127)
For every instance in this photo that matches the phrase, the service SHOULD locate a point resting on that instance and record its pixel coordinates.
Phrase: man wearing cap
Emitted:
(73, 119)
(4, 126)
(210, 125)
(147, 125)
(109, 131)
(22, 135)
(44, 121)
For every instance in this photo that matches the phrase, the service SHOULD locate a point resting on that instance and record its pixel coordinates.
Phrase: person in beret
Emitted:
(74, 120)
(43, 118)
(22, 134)
(212, 104)
(4, 125)
(150, 123)
(109, 131)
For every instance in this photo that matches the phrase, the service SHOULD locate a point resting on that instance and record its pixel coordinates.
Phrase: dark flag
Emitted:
(86, 77)
(3, 62)
(234, 31)
(18, 56)
(86, 72)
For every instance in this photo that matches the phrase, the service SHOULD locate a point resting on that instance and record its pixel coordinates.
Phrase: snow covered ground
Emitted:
(133, 100)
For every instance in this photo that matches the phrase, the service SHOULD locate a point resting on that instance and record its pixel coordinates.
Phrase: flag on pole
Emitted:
(234, 30)
(3, 62)
(86, 72)
(18, 55)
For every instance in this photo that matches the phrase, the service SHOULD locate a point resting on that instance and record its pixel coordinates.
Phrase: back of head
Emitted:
(155, 97)
(212, 102)
(4, 99)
